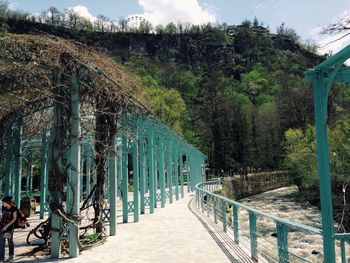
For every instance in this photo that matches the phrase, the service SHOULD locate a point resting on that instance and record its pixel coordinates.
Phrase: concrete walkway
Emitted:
(172, 234)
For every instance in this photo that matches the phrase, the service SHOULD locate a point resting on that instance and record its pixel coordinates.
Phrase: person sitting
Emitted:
(7, 223)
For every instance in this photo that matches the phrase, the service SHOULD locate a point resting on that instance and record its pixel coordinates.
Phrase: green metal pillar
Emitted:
(161, 171)
(82, 157)
(18, 160)
(187, 172)
(135, 173)
(253, 237)
(320, 104)
(176, 174)
(119, 166)
(223, 215)
(43, 173)
(75, 155)
(113, 188)
(125, 177)
(181, 172)
(282, 241)
(8, 161)
(169, 171)
(29, 188)
(142, 167)
(215, 210)
(151, 172)
(235, 223)
(88, 169)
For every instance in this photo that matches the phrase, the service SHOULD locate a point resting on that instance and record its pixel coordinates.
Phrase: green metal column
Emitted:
(161, 171)
(135, 168)
(176, 174)
(75, 167)
(29, 188)
(43, 174)
(320, 104)
(125, 177)
(253, 237)
(181, 172)
(112, 187)
(235, 223)
(8, 160)
(142, 167)
(18, 160)
(187, 172)
(119, 167)
(88, 169)
(215, 211)
(150, 140)
(282, 241)
(169, 171)
(223, 214)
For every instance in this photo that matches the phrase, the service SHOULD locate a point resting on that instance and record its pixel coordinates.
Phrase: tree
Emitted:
(53, 16)
(288, 32)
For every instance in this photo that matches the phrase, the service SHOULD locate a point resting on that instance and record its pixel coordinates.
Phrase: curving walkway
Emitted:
(172, 234)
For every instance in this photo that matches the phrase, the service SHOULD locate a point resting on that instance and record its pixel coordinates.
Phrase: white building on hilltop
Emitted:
(134, 21)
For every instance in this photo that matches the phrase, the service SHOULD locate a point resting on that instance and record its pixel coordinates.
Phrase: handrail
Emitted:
(282, 225)
(258, 212)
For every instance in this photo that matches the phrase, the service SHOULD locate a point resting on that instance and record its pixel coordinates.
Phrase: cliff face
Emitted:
(245, 48)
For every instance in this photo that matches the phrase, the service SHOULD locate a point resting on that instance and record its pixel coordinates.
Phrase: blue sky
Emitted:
(305, 16)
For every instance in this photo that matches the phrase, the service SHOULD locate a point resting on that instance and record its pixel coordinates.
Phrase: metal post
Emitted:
(75, 166)
(320, 105)
(282, 241)
(223, 214)
(43, 174)
(188, 172)
(112, 187)
(150, 140)
(30, 176)
(343, 255)
(253, 240)
(176, 174)
(88, 169)
(83, 154)
(235, 223)
(169, 172)
(215, 210)
(18, 161)
(142, 168)
(135, 173)
(181, 173)
(8, 160)
(161, 171)
(125, 177)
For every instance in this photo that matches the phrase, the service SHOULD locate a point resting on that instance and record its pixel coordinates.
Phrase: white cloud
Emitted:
(13, 5)
(82, 11)
(331, 44)
(184, 11)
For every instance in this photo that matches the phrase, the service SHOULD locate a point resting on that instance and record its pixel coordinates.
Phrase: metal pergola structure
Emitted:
(97, 159)
(322, 78)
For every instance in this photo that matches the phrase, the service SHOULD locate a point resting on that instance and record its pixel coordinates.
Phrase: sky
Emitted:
(307, 17)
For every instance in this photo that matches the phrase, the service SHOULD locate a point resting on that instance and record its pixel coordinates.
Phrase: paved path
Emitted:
(172, 234)
(177, 233)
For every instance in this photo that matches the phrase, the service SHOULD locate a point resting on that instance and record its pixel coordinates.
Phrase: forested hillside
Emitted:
(232, 91)
(236, 92)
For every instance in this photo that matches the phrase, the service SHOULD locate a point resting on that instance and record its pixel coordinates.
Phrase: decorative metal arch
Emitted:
(322, 78)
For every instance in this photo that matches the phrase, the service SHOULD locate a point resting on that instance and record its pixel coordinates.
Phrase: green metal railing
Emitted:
(223, 209)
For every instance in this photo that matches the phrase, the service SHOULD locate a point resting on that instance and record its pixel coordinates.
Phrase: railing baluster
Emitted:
(282, 241)
(342, 246)
(253, 240)
(235, 223)
(208, 205)
(223, 213)
(215, 211)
